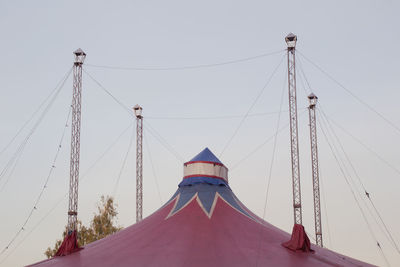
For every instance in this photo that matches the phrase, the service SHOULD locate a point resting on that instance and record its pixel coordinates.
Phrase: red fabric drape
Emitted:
(299, 240)
(69, 245)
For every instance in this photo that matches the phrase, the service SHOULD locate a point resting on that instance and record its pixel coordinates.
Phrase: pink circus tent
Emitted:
(203, 224)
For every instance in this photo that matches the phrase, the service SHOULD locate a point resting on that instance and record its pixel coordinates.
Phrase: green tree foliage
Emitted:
(101, 226)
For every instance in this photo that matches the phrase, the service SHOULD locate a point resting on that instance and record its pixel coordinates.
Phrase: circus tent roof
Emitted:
(203, 224)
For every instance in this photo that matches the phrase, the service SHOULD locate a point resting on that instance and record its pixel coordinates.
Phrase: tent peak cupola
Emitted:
(205, 167)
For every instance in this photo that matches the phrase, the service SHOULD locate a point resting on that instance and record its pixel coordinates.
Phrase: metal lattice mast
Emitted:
(315, 173)
(294, 140)
(75, 140)
(139, 162)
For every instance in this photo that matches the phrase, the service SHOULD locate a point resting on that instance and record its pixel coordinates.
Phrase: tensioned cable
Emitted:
(105, 151)
(386, 231)
(23, 144)
(367, 193)
(304, 86)
(302, 74)
(261, 145)
(304, 81)
(369, 149)
(251, 106)
(36, 111)
(214, 117)
(159, 138)
(278, 121)
(172, 117)
(153, 170)
(274, 150)
(152, 130)
(124, 162)
(155, 133)
(163, 142)
(44, 186)
(66, 194)
(109, 93)
(270, 138)
(393, 125)
(353, 194)
(11, 164)
(10, 174)
(325, 206)
(384, 224)
(187, 67)
(34, 228)
(166, 144)
(335, 137)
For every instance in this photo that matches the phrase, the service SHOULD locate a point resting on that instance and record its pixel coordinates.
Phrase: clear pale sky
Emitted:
(354, 41)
